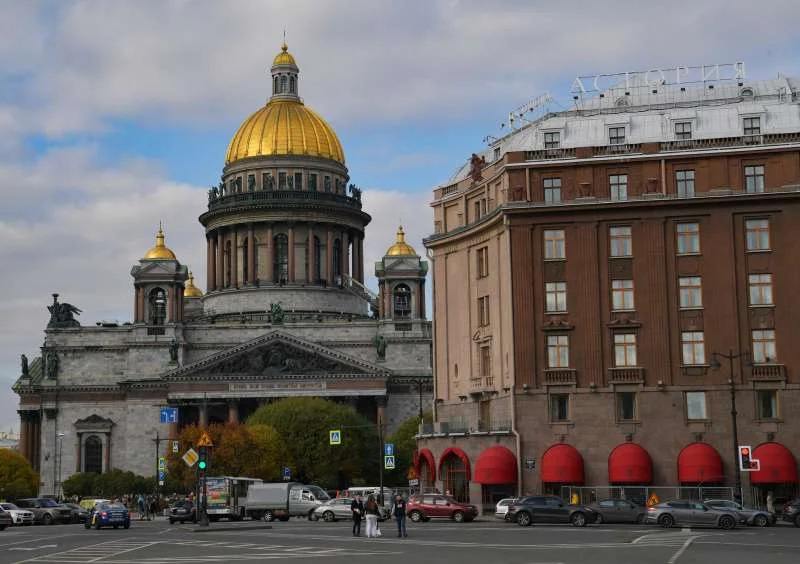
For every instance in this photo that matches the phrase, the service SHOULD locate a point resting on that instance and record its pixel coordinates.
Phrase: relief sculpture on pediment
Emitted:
(279, 359)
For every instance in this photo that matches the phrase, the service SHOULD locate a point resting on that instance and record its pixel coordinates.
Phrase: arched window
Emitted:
(454, 476)
(291, 85)
(245, 271)
(93, 455)
(275, 85)
(281, 259)
(317, 274)
(283, 84)
(337, 258)
(158, 306)
(228, 262)
(402, 302)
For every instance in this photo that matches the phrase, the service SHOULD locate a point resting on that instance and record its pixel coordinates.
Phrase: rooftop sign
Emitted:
(656, 77)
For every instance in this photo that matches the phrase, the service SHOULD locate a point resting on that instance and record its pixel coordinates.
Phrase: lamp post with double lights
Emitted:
(716, 365)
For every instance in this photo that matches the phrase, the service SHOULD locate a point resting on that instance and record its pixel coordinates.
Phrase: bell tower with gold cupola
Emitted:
(401, 278)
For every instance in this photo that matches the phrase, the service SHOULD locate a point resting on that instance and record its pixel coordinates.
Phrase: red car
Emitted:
(430, 506)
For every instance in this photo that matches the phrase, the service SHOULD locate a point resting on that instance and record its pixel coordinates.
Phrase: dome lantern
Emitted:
(400, 247)
(190, 290)
(160, 251)
(284, 76)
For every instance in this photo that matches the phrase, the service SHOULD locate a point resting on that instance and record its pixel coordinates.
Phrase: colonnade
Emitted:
(30, 434)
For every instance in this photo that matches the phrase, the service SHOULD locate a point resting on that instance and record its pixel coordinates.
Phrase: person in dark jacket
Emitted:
(399, 511)
(357, 508)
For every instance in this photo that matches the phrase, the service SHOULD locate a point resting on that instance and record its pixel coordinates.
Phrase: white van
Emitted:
(366, 491)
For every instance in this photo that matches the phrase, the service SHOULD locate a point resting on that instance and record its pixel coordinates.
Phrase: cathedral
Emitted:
(286, 313)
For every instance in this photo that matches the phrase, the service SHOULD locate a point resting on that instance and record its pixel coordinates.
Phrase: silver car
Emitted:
(747, 515)
(333, 510)
(18, 516)
(501, 509)
(689, 512)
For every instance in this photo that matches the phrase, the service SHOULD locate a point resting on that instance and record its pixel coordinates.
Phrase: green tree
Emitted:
(405, 444)
(81, 484)
(17, 477)
(303, 425)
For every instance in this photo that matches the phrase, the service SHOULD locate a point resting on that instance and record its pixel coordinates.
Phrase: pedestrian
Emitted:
(770, 502)
(153, 507)
(371, 510)
(140, 506)
(399, 512)
(357, 508)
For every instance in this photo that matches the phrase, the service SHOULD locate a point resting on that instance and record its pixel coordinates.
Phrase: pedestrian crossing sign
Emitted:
(388, 462)
(335, 437)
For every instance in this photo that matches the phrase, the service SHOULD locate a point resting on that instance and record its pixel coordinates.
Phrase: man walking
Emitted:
(357, 508)
(399, 511)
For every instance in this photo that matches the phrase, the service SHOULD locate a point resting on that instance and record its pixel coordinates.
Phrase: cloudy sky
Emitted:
(117, 114)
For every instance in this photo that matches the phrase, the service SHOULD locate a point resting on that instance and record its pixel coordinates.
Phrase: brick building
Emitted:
(592, 273)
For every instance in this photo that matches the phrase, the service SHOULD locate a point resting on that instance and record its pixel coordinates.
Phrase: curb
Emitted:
(224, 529)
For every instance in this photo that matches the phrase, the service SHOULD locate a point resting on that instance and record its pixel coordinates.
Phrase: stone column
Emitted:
(106, 452)
(202, 410)
(251, 256)
(312, 279)
(171, 299)
(422, 310)
(268, 251)
(343, 255)
(329, 258)
(78, 452)
(233, 411)
(135, 305)
(24, 422)
(354, 257)
(209, 263)
(235, 259)
(361, 258)
(220, 262)
(291, 254)
(140, 306)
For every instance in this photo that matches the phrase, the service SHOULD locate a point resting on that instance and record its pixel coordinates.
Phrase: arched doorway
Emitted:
(426, 469)
(454, 469)
(93, 455)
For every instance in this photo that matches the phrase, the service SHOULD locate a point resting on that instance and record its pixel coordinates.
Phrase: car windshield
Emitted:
(47, 503)
(8, 506)
(449, 499)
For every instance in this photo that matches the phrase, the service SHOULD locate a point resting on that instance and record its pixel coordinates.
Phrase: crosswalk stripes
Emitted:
(95, 552)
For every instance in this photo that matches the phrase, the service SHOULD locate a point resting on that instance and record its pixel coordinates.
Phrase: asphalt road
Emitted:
(485, 542)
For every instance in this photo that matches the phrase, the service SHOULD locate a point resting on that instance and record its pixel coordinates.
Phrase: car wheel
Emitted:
(726, 522)
(524, 519)
(458, 516)
(47, 519)
(666, 521)
(313, 517)
(760, 521)
(797, 520)
(640, 518)
(172, 521)
(415, 516)
(269, 516)
(599, 519)
(578, 519)
(127, 525)
(328, 517)
(116, 526)
(87, 525)
(2, 527)
(97, 525)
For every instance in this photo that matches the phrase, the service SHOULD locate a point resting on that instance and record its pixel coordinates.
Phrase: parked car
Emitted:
(430, 506)
(791, 512)
(18, 516)
(5, 519)
(617, 511)
(45, 510)
(501, 508)
(747, 515)
(183, 511)
(109, 515)
(548, 509)
(79, 514)
(689, 512)
(333, 510)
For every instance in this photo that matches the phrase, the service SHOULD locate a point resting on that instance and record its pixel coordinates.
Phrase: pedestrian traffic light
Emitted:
(202, 463)
(744, 458)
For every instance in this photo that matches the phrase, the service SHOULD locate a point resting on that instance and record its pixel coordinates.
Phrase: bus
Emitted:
(226, 495)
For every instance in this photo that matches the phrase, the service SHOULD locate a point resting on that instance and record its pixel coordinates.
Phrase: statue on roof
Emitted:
(23, 360)
(476, 167)
(275, 314)
(380, 346)
(62, 315)
(355, 191)
(51, 364)
(173, 351)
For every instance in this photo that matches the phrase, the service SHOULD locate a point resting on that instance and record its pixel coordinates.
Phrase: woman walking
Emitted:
(371, 509)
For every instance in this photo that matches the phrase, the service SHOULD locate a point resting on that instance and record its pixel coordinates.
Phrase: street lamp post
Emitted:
(59, 455)
(715, 364)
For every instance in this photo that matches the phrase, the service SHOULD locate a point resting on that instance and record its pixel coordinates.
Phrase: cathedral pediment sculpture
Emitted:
(279, 359)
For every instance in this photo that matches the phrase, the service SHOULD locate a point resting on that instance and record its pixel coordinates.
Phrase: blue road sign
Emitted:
(388, 449)
(162, 475)
(169, 414)
(162, 463)
(335, 437)
(287, 472)
(388, 462)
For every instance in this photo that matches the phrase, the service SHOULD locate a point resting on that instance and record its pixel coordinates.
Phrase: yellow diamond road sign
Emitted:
(191, 457)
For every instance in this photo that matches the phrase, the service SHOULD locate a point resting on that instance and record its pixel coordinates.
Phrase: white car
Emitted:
(19, 516)
(502, 506)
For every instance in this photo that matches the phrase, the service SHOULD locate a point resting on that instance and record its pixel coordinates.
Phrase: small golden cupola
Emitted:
(160, 251)
(190, 290)
(400, 247)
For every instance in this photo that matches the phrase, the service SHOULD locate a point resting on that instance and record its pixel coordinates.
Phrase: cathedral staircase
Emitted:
(358, 289)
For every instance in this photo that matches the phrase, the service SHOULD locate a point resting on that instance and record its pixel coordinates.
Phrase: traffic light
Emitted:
(202, 463)
(744, 458)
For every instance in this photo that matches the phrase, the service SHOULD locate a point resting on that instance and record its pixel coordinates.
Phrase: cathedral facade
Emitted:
(286, 313)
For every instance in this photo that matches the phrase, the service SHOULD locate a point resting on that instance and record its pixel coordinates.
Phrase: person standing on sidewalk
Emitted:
(357, 508)
(371, 509)
(399, 511)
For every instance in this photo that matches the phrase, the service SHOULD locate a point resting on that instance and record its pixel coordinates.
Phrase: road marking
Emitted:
(681, 550)
(35, 539)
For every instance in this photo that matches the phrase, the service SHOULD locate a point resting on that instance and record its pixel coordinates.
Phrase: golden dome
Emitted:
(190, 290)
(284, 57)
(160, 251)
(401, 248)
(285, 127)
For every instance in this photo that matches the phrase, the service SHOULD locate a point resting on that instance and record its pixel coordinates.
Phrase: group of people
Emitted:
(372, 510)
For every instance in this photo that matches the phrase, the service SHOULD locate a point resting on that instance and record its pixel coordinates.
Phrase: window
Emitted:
(683, 130)
(684, 182)
(624, 350)
(283, 83)
(616, 135)
(555, 297)
(619, 186)
(337, 259)
(767, 404)
(621, 241)
(402, 302)
(282, 181)
(688, 238)
(764, 346)
(482, 257)
(496, 153)
(327, 183)
(483, 311)
(245, 272)
(558, 351)
(312, 182)
(552, 189)
(552, 139)
(554, 245)
(559, 407)
(760, 289)
(298, 180)
(626, 406)
(251, 182)
(693, 348)
(691, 291)
(757, 234)
(486, 361)
(93, 455)
(752, 125)
(696, 405)
(622, 295)
(281, 259)
(266, 181)
(158, 306)
(754, 179)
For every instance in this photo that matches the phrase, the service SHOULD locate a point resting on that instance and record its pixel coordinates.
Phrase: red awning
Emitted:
(700, 463)
(629, 463)
(778, 465)
(562, 464)
(455, 451)
(427, 456)
(496, 466)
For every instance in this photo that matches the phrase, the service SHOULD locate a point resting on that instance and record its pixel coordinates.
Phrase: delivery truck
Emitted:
(280, 500)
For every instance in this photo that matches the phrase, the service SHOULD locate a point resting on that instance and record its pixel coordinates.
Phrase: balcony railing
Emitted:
(559, 376)
(547, 154)
(626, 375)
(768, 372)
(279, 197)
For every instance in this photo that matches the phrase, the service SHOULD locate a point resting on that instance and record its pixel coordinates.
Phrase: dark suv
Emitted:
(45, 510)
(791, 512)
(549, 509)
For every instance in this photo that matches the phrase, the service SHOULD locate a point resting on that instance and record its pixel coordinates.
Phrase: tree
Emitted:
(405, 444)
(81, 484)
(304, 425)
(17, 477)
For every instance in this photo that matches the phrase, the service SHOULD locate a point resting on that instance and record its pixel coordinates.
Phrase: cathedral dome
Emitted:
(284, 57)
(160, 251)
(190, 290)
(400, 247)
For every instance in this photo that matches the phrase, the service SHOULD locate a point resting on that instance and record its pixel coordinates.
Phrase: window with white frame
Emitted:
(696, 406)
(684, 182)
(621, 241)
(690, 291)
(752, 125)
(760, 289)
(555, 297)
(764, 350)
(622, 295)
(558, 351)
(683, 130)
(552, 139)
(616, 135)
(624, 350)
(754, 179)
(688, 235)
(554, 244)
(693, 348)
(618, 184)
(552, 189)
(757, 234)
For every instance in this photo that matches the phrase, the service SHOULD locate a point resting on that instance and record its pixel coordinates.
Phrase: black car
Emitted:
(79, 514)
(183, 511)
(791, 512)
(5, 519)
(549, 509)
